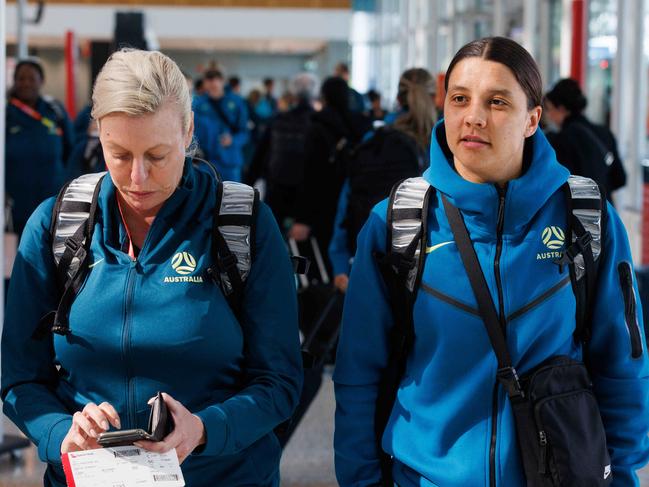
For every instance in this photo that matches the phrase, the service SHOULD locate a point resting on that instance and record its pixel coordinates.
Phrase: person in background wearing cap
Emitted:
(585, 148)
(39, 139)
(356, 101)
(221, 121)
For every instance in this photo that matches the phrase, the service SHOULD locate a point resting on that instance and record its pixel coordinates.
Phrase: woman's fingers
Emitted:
(110, 412)
(154, 446)
(93, 412)
(84, 424)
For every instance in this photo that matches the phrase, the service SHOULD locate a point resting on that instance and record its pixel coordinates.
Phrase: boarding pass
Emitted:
(122, 466)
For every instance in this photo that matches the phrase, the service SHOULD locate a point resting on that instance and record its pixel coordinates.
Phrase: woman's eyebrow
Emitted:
(117, 146)
(495, 91)
(502, 92)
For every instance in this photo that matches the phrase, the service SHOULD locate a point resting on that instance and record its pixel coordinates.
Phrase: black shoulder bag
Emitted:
(559, 429)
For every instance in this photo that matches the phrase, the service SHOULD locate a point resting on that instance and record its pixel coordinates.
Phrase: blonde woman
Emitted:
(139, 324)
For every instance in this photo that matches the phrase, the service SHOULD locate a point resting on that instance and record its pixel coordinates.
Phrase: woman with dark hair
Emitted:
(583, 147)
(332, 132)
(39, 140)
(467, 355)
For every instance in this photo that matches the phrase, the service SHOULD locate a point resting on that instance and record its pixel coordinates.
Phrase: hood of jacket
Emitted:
(524, 196)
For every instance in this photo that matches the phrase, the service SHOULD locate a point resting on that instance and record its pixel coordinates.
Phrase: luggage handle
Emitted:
(320, 261)
(292, 244)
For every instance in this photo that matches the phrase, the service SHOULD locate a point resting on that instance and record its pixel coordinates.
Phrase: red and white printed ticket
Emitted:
(122, 466)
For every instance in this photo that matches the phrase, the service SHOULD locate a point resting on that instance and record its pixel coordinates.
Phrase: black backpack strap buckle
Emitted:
(60, 329)
(50, 322)
(73, 244)
(578, 247)
(508, 377)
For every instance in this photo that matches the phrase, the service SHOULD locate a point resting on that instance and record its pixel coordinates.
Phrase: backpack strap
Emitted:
(401, 268)
(71, 227)
(233, 238)
(586, 205)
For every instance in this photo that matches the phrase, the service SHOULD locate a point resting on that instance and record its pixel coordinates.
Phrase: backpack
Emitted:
(402, 267)
(287, 148)
(73, 220)
(375, 166)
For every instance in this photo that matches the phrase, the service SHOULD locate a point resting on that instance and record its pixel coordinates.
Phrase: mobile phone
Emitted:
(123, 438)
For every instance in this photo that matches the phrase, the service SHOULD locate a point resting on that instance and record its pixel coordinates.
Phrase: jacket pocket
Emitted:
(630, 308)
(572, 441)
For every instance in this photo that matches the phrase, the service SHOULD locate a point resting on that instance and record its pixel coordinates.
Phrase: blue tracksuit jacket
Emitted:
(138, 326)
(441, 426)
(210, 126)
(36, 157)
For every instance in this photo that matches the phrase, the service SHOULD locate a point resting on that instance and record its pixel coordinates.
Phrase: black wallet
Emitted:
(160, 425)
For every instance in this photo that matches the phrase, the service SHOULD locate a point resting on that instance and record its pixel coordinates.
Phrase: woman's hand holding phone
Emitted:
(87, 425)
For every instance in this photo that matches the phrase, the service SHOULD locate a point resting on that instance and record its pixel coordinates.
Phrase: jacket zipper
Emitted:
(626, 283)
(131, 406)
(126, 339)
(501, 315)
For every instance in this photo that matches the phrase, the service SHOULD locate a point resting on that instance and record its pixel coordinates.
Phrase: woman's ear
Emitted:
(190, 131)
(533, 119)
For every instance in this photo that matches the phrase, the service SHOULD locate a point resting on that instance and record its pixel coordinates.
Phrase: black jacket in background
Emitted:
(280, 160)
(581, 146)
(323, 174)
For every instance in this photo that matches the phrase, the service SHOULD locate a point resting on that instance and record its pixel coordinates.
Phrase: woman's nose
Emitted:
(139, 171)
(475, 117)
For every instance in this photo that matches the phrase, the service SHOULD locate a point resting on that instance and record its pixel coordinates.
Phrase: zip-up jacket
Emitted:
(451, 425)
(212, 124)
(147, 325)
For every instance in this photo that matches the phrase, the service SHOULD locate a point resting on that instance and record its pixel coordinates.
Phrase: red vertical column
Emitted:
(579, 39)
(70, 86)
(645, 218)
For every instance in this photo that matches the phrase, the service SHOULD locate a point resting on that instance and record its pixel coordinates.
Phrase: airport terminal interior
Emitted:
(259, 46)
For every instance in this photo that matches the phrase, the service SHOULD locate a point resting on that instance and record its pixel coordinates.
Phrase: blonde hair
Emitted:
(138, 82)
(418, 87)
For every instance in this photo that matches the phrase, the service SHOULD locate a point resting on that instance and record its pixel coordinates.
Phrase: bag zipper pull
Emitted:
(543, 442)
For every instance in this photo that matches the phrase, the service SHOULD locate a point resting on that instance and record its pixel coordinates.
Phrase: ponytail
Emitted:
(418, 86)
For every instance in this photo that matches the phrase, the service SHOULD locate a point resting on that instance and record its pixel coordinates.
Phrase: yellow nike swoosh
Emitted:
(437, 246)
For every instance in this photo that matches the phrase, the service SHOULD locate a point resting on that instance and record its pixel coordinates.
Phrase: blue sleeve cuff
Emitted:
(49, 448)
(216, 431)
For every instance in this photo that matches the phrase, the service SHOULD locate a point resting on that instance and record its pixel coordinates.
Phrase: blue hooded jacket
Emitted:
(210, 126)
(440, 429)
(139, 326)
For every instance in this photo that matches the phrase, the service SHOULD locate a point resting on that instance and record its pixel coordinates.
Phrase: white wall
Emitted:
(97, 22)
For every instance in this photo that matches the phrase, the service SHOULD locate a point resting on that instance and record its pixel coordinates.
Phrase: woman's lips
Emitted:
(473, 142)
(140, 195)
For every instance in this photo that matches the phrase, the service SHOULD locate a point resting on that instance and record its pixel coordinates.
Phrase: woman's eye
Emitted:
(498, 103)
(459, 98)
(121, 157)
(156, 158)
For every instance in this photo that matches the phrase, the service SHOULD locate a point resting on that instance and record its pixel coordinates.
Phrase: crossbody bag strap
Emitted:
(507, 375)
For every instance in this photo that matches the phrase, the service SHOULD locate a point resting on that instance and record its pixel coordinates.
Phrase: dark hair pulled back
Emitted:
(508, 53)
(567, 93)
